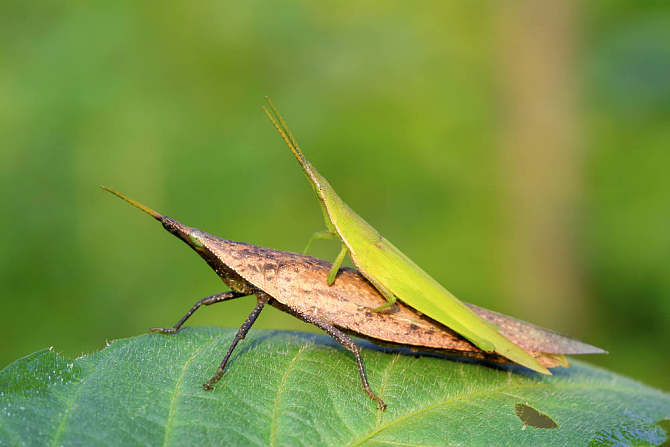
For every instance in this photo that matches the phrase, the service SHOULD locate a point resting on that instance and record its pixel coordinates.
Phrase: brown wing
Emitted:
(298, 283)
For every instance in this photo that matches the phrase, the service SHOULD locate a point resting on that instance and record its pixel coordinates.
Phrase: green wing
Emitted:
(388, 268)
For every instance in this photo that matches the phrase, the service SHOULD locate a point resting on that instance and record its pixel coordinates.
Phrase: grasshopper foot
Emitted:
(209, 385)
(160, 330)
(384, 308)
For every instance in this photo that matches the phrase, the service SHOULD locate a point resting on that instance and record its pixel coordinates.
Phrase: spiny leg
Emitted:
(337, 264)
(349, 344)
(263, 299)
(212, 299)
(325, 234)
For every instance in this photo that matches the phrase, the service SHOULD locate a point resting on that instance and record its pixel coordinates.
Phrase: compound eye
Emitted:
(195, 240)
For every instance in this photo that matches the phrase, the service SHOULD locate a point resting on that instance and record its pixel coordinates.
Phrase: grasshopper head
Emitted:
(192, 236)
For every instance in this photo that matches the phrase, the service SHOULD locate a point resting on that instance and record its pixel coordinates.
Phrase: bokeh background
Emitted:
(519, 153)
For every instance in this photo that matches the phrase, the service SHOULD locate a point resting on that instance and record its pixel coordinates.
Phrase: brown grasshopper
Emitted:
(296, 283)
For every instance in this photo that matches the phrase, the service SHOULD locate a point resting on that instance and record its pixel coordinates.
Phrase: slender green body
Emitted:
(393, 273)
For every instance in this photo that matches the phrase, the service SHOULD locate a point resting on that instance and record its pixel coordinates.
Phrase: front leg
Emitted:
(212, 299)
(325, 234)
(337, 264)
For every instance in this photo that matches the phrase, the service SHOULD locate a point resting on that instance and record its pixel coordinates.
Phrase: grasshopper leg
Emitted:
(337, 264)
(387, 294)
(212, 299)
(325, 234)
(263, 299)
(350, 345)
(386, 305)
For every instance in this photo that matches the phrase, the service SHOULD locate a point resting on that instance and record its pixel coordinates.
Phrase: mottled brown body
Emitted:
(297, 283)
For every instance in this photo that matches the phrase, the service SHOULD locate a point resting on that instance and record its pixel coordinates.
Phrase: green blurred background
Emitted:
(519, 154)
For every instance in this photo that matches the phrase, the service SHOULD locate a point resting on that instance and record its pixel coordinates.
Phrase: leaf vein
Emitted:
(282, 385)
(11, 434)
(66, 415)
(173, 401)
(382, 387)
(460, 397)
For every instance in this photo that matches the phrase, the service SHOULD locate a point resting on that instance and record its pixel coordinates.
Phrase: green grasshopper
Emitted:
(391, 272)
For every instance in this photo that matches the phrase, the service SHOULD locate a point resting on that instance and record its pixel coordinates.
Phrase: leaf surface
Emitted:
(286, 388)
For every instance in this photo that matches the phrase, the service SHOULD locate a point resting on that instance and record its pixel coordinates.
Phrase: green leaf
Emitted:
(300, 389)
